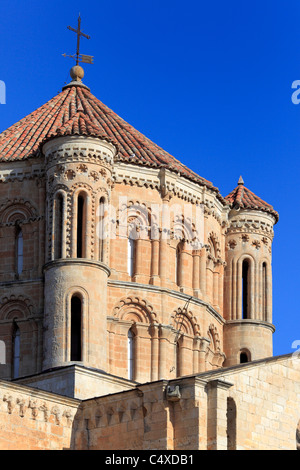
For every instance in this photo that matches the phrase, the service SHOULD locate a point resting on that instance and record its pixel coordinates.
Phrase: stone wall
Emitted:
(253, 406)
(34, 420)
(267, 397)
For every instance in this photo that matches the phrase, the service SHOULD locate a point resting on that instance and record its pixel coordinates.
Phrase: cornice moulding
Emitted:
(133, 286)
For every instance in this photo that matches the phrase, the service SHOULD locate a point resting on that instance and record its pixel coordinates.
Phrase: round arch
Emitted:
(136, 310)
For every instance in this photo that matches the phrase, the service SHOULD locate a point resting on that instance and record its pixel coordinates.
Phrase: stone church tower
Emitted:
(78, 173)
(119, 264)
(248, 277)
(135, 300)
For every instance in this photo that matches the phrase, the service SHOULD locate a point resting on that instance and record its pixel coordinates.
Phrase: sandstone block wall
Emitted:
(248, 407)
(253, 406)
(34, 420)
(267, 399)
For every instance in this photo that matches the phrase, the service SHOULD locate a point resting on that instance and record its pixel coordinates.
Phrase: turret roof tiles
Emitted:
(242, 197)
(75, 111)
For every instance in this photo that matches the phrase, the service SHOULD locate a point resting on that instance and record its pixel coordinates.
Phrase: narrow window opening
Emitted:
(130, 354)
(245, 288)
(19, 251)
(101, 229)
(244, 358)
(264, 291)
(80, 226)
(76, 315)
(16, 352)
(58, 229)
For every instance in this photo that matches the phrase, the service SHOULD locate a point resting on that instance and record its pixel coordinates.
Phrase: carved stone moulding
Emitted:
(79, 149)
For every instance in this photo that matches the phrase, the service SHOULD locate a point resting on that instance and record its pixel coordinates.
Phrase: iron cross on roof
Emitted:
(88, 59)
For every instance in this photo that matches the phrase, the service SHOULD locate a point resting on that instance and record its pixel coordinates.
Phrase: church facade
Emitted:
(135, 300)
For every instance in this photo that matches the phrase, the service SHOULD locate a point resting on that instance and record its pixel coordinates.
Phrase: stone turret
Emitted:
(79, 164)
(248, 277)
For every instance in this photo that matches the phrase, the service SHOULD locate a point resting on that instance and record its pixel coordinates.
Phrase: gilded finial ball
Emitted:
(77, 72)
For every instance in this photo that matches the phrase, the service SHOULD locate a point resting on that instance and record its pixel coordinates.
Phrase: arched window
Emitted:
(264, 291)
(130, 354)
(16, 351)
(101, 232)
(19, 251)
(244, 357)
(130, 256)
(81, 223)
(245, 290)
(58, 226)
(76, 319)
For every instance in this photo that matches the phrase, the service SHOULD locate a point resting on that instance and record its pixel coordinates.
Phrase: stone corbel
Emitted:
(173, 393)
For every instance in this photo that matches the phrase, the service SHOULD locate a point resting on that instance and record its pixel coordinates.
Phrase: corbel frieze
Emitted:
(71, 154)
(260, 229)
(36, 409)
(169, 184)
(22, 174)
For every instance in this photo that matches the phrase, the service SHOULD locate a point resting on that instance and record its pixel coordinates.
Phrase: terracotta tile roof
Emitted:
(76, 111)
(245, 199)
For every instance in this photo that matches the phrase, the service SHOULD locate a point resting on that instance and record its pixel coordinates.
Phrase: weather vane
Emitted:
(87, 59)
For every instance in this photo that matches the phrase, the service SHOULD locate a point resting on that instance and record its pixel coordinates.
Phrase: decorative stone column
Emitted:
(164, 243)
(166, 352)
(196, 273)
(154, 280)
(154, 351)
(203, 272)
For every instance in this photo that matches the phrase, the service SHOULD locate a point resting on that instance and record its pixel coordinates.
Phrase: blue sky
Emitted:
(210, 82)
